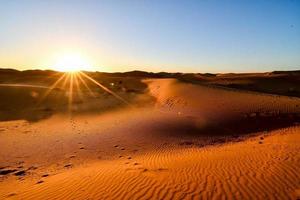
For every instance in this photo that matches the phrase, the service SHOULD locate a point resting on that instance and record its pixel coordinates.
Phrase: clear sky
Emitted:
(153, 35)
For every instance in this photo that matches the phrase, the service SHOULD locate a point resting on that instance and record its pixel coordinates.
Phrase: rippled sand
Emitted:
(194, 142)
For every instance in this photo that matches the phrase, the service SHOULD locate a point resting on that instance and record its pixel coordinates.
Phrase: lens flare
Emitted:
(72, 82)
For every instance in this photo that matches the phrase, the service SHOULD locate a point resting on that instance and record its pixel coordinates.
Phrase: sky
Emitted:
(152, 35)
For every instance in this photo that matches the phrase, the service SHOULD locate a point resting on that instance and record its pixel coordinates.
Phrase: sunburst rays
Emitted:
(53, 86)
(86, 86)
(72, 83)
(105, 88)
(70, 94)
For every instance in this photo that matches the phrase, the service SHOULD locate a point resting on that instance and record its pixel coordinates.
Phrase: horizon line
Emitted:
(173, 72)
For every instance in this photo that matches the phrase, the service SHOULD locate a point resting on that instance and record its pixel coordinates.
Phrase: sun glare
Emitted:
(71, 62)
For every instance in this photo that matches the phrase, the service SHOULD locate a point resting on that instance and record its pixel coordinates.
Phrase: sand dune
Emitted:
(194, 142)
(242, 170)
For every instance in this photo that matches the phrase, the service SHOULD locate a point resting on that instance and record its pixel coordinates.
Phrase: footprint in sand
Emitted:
(161, 169)
(11, 195)
(68, 166)
(7, 171)
(20, 173)
(39, 182)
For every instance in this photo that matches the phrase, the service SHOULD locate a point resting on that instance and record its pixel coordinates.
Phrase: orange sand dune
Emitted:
(188, 146)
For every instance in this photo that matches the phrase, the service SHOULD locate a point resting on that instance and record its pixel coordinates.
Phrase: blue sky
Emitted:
(186, 36)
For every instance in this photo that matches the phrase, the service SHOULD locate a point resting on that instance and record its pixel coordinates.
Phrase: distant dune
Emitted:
(276, 82)
(181, 136)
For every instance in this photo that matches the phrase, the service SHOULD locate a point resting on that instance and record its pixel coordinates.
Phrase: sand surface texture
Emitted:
(192, 142)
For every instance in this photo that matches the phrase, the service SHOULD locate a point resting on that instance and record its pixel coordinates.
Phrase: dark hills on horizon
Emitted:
(285, 83)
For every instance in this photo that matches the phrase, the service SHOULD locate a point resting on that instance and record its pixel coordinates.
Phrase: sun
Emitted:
(71, 62)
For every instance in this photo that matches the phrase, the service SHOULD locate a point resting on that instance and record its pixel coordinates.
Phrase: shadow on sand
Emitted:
(191, 130)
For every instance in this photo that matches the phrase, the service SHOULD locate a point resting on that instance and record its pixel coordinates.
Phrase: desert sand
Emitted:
(176, 140)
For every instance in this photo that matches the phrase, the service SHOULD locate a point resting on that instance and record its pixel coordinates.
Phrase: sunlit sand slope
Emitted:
(218, 103)
(185, 147)
(246, 170)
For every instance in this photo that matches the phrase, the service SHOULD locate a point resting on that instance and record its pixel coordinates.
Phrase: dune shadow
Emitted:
(23, 103)
(189, 127)
(30, 103)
